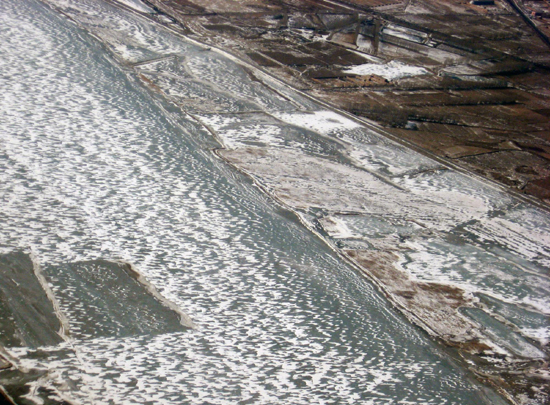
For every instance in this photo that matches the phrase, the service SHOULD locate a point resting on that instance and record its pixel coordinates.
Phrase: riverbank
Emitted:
(477, 99)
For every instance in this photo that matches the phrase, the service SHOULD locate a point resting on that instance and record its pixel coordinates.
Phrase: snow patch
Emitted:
(390, 71)
(137, 5)
(323, 122)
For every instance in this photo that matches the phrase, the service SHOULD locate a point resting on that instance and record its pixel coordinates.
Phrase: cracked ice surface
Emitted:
(93, 166)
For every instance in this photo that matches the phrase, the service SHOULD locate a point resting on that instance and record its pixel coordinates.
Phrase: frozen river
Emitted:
(115, 138)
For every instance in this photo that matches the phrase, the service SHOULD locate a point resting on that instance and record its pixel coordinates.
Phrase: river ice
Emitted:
(106, 154)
